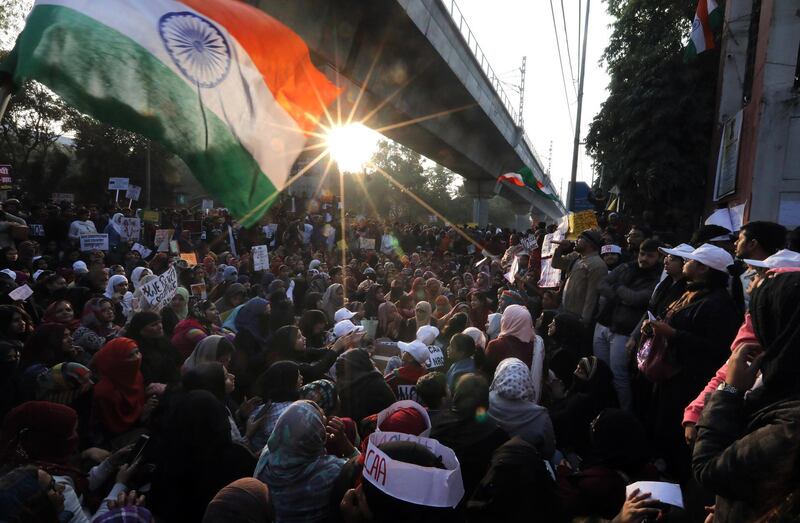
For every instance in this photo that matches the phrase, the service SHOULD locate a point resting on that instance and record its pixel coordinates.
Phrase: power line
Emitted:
(561, 64)
(566, 40)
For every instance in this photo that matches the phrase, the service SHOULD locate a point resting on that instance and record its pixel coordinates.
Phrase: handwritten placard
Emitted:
(579, 222)
(159, 292)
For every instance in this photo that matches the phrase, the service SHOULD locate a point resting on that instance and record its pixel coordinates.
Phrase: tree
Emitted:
(652, 136)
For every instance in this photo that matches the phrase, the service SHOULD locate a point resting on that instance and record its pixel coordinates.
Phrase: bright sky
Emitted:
(507, 30)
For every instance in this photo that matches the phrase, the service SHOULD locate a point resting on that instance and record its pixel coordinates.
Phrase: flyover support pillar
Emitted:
(481, 192)
(522, 216)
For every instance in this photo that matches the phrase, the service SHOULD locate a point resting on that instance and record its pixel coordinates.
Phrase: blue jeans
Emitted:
(610, 348)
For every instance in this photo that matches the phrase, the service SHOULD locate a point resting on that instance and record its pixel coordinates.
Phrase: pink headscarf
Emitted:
(516, 322)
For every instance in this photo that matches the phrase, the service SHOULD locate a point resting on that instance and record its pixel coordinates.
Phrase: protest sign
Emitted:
(37, 229)
(190, 258)
(436, 361)
(529, 243)
(159, 292)
(174, 248)
(207, 205)
(199, 290)
(549, 277)
(118, 184)
(550, 243)
(63, 197)
(131, 229)
(141, 249)
(579, 222)
(133, 192)
(94, 242)
(260, 258)
(367, 243)
(511, 275)
(162, 239)
(151, 216)
(21, 293)
(6, 182)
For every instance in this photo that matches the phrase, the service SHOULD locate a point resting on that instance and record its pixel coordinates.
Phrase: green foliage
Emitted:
(652, 136)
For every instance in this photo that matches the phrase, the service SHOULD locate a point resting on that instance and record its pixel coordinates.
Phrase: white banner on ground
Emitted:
(159, 292)
(94, 242)
(260, 258)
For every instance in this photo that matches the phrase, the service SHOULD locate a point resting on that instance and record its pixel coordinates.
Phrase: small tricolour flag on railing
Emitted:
(220, 83)
(707, 18)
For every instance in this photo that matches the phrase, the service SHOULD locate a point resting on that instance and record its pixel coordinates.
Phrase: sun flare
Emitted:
(351, 146)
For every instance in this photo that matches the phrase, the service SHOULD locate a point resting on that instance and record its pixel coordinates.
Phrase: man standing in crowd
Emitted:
(757, 241)
(585, 269)
(624, 295)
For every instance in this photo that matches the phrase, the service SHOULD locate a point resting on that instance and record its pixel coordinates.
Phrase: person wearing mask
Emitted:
(585, 269)
(697, 330)
(624, 294)
(512, 407)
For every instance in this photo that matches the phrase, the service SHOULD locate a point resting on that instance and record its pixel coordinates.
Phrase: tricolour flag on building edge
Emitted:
(525, 178)
(220, 83)
(707, 18)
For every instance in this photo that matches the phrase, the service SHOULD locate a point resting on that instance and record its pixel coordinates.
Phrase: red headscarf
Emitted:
(50, 316)
(50, 438)
(119, 395)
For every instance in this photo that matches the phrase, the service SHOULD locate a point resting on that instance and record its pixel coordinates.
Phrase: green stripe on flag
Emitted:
(109, 76)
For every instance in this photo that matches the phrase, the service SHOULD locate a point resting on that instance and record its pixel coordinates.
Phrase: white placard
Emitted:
(162, 238)
(260, 258)
(549, 277)
(94, 242)
(118, 184)
(207, 205)
(133, 192)
(367, 243)
(63, 197)
(159, 292)
(141, 249)
(436, 361)
(21, 293)
(131, 229)
(37, 229)
(669, 493)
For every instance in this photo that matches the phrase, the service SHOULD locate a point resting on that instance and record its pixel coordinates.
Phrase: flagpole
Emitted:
(5, 93)
(576, 145)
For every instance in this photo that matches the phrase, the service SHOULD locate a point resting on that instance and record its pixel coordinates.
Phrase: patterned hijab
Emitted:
(321, 392)
(512, 381)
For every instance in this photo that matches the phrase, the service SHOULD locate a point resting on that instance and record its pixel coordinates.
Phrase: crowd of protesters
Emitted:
(384, 371)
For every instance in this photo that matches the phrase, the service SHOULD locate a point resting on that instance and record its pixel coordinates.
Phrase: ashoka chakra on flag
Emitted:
(197, 47)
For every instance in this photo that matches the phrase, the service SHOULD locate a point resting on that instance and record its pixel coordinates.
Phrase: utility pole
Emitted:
(576, 145)
(147, 176)
(522, 93)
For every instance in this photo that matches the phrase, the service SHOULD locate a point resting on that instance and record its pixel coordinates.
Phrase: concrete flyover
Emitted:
(419, 65)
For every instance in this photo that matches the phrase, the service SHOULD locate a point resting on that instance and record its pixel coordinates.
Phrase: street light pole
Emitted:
(577, 143)
(147, 176)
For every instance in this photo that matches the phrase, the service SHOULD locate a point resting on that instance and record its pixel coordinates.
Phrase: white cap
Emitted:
(711, 256)
(314, 264)
(610, 249)
(37, 274)
(80, 267)
(345, 327)
(678, 251)
(427, 334)
(418, 350)
(11, 274)
(781, 259)
(343, 314)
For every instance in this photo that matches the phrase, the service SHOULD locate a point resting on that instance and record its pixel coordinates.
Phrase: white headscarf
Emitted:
(137, 274)
(116, 222)
(113, 282)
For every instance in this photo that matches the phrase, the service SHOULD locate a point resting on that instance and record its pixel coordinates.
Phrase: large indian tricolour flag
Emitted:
(220, 83)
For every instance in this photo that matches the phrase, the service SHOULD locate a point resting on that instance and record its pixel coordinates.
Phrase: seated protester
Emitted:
(384, 495)
(160, 360)
(249, 358)
(61, 312)
(29, 494)
(478, 336)
(49, 345)
(202, 321)
(517, 340)
(214, 378)
(517, 480)
(65, 383)
(512, 407)
(618, 456)
(44, 435)
(195, 459)
(468, 430)
(289, 344)
(245, 500)
(13, 329)
(295, 467)
(177, 311)
(455, 324)
(214, 348)
(493, 326)
(323, 393)
(479, 308)
(460, 353)
(389, 321)
(116, 291)
(362, 389)
(119, 403)
(592, 391)
(312, 324)
(278, 387)
(747, 445)
(432, 392)
(403, 380)
(97, 325)
(235, 295)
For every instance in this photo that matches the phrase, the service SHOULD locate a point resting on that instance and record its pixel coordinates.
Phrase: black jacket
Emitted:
(749, 458)
(626, 292)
